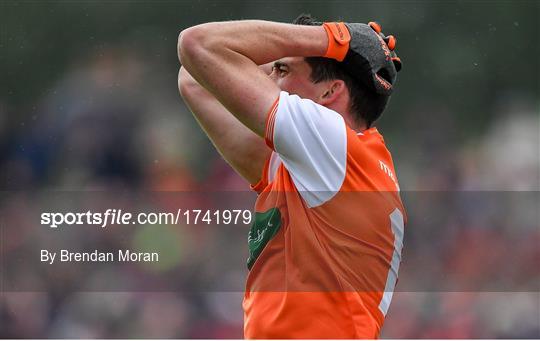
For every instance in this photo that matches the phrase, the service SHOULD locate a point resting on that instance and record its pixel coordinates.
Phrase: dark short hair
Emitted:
(366, 105)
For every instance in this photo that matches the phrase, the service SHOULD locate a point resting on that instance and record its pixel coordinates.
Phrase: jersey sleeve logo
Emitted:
(264, 228)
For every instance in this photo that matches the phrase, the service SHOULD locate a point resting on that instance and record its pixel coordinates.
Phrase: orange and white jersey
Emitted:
(325, 247)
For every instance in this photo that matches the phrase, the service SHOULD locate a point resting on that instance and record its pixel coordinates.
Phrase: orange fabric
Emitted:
(391, 42)
(375, 26)
(269, 125)
(338, 40)
(397, 63)
(323, 273)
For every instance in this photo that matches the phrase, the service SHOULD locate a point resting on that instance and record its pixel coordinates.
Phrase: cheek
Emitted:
(285, 84)
(295, 86)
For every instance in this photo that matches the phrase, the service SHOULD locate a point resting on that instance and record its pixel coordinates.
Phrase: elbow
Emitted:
(185, 84)
(190, 43)
(195, 49)
(185, 45)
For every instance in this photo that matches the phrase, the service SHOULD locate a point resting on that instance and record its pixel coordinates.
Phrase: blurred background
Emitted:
(89, 102)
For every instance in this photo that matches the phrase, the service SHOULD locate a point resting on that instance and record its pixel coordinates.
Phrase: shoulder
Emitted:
(369, 162)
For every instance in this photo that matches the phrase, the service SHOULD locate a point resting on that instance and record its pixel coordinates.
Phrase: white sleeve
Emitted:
(311, 140)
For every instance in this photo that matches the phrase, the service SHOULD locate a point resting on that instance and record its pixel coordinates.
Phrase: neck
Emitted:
(348, 117)
(358, 127)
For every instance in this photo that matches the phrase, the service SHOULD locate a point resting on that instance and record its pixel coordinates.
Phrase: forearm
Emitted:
(241, 148)
(188, 85)
(260, 41)
(213, 118)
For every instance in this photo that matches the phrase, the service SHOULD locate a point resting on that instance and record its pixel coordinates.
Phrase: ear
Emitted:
(332, 91)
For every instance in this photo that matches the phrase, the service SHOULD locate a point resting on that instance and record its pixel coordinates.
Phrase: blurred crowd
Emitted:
(115, 122)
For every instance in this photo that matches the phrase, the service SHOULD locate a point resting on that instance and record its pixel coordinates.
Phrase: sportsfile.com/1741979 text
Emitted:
(119, 217)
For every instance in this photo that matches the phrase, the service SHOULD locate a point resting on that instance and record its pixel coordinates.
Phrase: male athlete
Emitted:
(325, 246)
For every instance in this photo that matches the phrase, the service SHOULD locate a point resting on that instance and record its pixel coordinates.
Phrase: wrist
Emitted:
(338, 40)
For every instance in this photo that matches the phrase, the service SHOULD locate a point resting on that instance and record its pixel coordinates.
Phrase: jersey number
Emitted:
(396, 221)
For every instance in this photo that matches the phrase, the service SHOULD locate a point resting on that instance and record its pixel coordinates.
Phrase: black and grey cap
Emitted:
(371, 58)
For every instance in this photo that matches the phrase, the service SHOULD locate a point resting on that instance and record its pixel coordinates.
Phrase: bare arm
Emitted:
(242, 149)
(223, 57)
